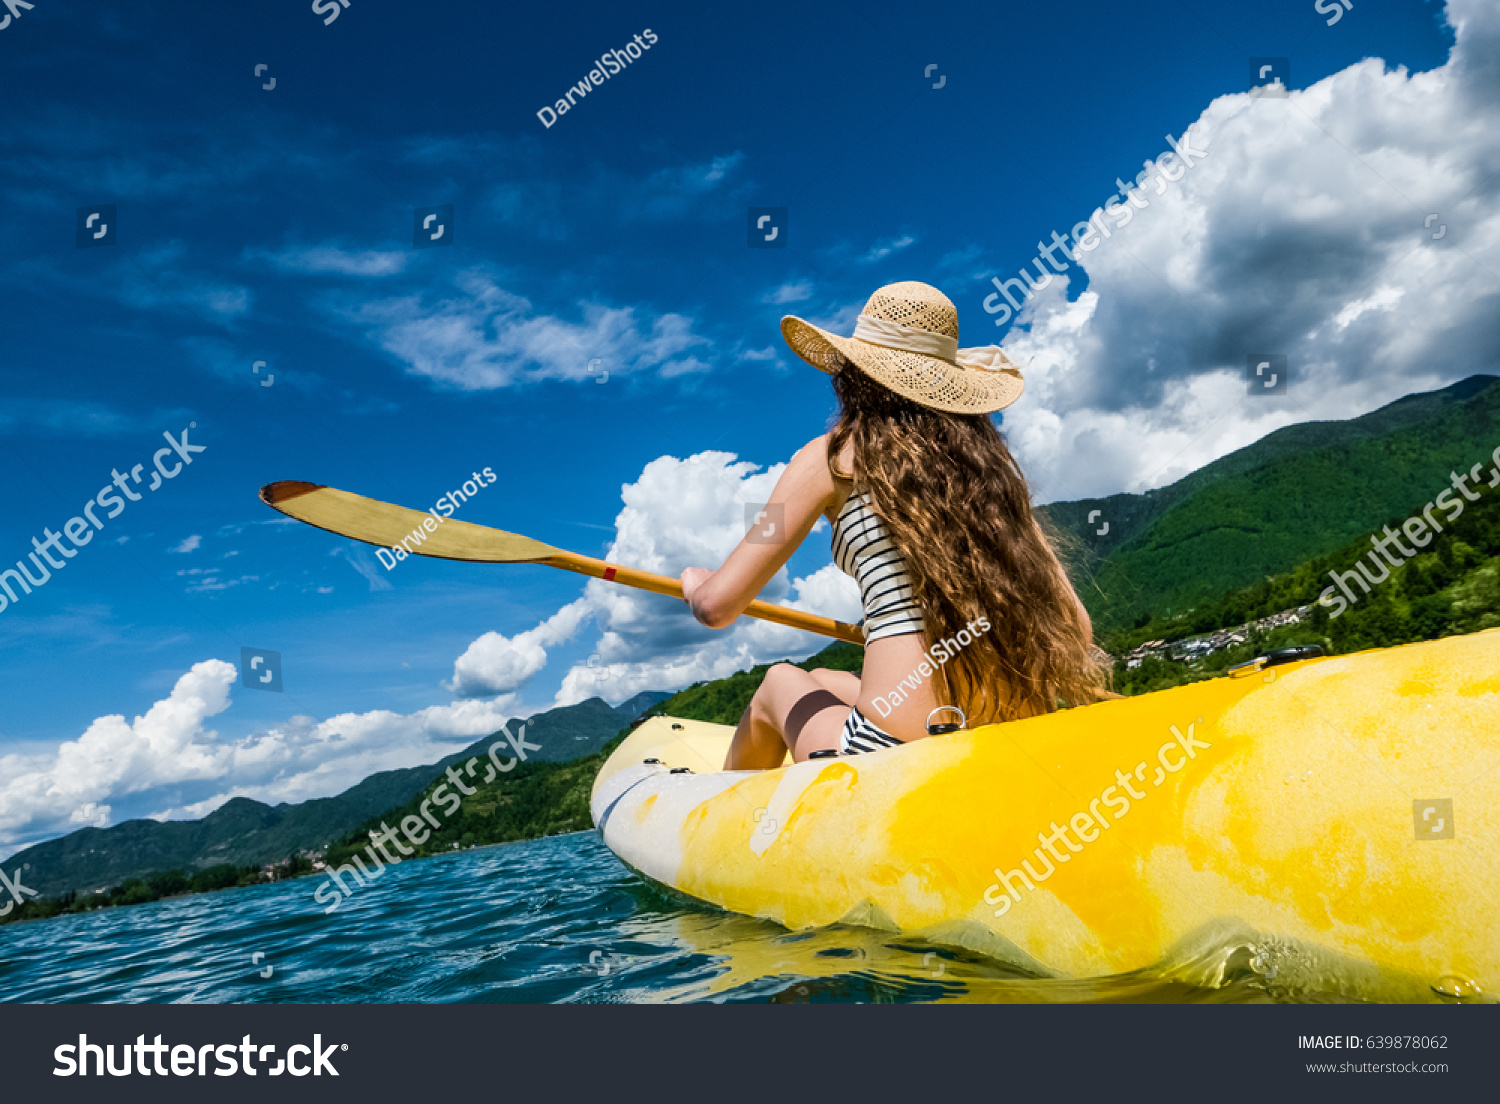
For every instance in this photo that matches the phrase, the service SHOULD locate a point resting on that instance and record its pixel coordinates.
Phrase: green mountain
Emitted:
(244, 832)
(1450, 586)
(1298, 493)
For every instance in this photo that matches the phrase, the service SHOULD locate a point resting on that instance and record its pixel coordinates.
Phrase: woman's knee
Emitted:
(781, 675)
(777, 681)
(843, 683)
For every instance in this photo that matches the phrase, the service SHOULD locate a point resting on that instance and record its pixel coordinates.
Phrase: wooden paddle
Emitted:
(381, 523)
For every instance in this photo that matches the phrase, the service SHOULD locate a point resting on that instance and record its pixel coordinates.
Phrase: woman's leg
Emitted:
(791, 710)
(842, 684)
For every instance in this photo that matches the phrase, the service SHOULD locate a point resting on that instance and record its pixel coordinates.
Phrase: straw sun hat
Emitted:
(907, 339)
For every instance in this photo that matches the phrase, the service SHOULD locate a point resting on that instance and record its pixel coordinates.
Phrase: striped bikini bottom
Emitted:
(860, 734)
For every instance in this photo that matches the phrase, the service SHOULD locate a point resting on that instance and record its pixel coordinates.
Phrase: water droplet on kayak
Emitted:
(1308, 774)
(1261, 963)
(1288, 780)
(1454, 985)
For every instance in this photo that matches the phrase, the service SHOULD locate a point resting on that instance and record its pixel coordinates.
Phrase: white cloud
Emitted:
(154, 278)
(169, 763)
(169, 759)
(204, 580)
(344, 262)
(1302, 232)
(359, 558)
(483, 337)
(64, 416)
(883, 249)
(683, 513)
(497, 664)
(789, 293)
(187, 544)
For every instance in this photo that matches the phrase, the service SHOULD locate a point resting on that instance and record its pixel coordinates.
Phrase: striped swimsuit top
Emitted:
(863, 549)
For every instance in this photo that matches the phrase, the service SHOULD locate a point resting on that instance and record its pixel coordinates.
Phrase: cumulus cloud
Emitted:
(166, 744)
(1304, 232)
(481, 337)
(187, 544)
(679, 513)
(683, 513)
(497, 664)
(170, 763)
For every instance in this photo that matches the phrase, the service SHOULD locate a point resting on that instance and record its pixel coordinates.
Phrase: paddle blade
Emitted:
(381, 523)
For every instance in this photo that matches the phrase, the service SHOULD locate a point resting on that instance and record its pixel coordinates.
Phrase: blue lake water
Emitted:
(552, 920)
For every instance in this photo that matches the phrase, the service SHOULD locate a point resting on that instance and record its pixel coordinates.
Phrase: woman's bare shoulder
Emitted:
(812, 458)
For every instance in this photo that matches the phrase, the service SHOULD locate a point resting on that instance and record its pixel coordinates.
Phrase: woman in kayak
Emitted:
(965, 602)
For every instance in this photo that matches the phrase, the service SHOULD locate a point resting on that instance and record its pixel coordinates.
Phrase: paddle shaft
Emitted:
(425, 534)
(661, 584)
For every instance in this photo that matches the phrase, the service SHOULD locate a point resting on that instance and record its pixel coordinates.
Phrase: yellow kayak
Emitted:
(1344, 811)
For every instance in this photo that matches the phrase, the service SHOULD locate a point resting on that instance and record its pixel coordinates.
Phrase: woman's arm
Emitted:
(804, 491)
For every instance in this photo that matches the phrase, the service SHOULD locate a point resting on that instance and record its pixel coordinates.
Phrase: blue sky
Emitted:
(277, 225)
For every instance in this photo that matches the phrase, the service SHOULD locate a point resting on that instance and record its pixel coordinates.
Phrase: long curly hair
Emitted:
(959, 511)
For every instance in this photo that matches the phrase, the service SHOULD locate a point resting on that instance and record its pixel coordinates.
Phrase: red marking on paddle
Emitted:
(609, 574)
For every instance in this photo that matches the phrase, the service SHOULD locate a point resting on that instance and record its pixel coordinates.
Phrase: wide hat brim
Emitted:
(927, 380)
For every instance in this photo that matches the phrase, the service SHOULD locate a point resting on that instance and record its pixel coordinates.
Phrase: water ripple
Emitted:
(552, 920)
